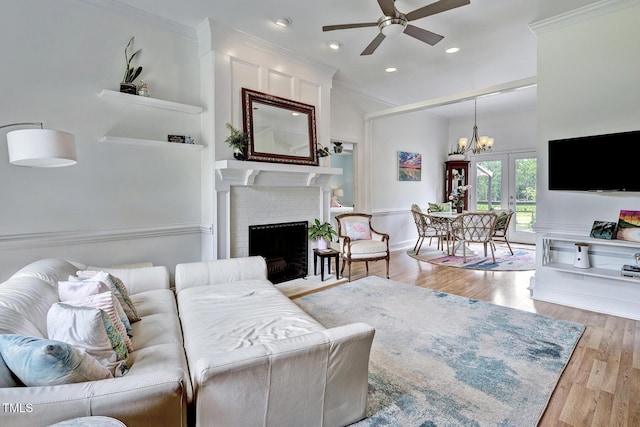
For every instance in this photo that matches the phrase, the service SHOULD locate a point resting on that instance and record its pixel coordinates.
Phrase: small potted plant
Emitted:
(322, 153)
(456, 153)
(322, 232)
(130, 73)
(238, 141)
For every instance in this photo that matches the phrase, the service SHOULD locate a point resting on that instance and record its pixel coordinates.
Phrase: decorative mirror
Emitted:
(280, 130)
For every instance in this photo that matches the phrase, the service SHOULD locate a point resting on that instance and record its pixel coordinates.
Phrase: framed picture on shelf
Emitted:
(603, 230)
(409, 166)
(629, 226)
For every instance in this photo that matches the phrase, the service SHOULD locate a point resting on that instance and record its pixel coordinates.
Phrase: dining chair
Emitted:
(474, 227)
(430, 227)
(501, 230)
(360, 242)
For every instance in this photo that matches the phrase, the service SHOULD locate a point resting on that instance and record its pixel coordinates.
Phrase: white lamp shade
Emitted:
(44, 148)
(338, 192)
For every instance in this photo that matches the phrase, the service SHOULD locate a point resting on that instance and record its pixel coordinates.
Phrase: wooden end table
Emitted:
(328, 254)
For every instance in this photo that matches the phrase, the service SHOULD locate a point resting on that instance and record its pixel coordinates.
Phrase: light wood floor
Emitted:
(601, 384)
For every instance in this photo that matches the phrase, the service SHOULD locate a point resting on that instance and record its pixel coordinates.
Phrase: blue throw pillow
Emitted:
(42, 362)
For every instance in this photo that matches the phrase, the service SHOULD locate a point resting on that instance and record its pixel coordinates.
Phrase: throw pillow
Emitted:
(501, 221)
(44, 362)
(118, 289)
(440, 207)
(108, 302)
(92, 330)
(358, 230)
(7, 378)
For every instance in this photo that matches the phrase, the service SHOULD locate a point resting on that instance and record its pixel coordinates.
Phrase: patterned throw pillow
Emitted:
(439, 207)
(358, 230)
(118, 289)
(108, 302)
(43, 362)
(501, 221)
(90, 329)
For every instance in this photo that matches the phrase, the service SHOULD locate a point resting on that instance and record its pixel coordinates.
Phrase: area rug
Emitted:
(307, 285)
(521, 260)
(443, 360)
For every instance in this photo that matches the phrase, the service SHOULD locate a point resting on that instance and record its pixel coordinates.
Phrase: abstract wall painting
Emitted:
(409, 166)
(629, 226)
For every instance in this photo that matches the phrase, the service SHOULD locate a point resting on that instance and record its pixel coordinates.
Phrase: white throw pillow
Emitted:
(108, 302)
(117, 287)
(92, 330)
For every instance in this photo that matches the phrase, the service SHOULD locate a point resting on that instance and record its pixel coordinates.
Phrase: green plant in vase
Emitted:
(130, 73)
(322, 232)
(237, 140)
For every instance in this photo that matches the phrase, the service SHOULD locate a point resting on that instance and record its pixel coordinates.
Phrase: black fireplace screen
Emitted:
(284, 246)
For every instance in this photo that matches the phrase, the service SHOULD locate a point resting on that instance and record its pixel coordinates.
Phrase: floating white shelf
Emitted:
(149, 143)
(150, 102)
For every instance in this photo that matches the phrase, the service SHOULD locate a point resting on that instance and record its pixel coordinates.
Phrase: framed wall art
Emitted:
(629, 226)
(409, 166)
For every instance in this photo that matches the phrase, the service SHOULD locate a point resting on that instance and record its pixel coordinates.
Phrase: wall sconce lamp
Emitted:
(40, 148)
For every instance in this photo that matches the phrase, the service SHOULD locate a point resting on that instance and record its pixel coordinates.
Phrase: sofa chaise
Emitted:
(257, 359)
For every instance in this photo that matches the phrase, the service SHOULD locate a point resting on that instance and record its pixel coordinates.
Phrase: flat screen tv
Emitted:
(595, 163)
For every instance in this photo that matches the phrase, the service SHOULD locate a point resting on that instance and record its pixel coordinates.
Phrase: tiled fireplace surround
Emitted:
(254, 193)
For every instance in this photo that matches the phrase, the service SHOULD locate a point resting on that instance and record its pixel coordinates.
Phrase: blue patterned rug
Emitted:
(442, 360)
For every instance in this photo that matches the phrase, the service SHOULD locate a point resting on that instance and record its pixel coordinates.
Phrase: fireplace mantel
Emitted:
(243, 173)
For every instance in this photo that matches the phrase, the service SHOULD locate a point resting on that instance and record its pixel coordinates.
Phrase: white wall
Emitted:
(57, 57)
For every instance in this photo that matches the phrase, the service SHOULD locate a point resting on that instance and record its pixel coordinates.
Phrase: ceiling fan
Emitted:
(396, 22)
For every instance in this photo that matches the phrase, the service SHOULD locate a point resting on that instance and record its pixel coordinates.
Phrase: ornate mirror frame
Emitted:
(295, 144)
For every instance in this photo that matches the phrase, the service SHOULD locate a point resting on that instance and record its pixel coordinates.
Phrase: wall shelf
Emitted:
(149, 143)
(606, 256)
(150, 102)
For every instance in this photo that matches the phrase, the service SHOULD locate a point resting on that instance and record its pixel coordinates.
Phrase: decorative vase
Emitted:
(325, 162)
(238, 154)
(129, 88)
(323, 244)
(459, 209)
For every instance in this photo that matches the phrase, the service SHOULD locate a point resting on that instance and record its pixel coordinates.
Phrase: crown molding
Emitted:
(594, 10)
(338, 84)
(122, 9)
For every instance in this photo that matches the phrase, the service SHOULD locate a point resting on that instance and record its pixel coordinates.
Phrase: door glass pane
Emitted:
(488, 185)
(525, 194)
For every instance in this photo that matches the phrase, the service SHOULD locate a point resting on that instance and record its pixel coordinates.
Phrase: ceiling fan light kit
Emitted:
(394, 22)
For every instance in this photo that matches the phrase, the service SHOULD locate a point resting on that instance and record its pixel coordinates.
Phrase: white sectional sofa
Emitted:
(257, 359)
(154, 392)
(254, 357)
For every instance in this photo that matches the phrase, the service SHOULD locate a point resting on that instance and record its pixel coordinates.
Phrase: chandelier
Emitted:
(478, 144)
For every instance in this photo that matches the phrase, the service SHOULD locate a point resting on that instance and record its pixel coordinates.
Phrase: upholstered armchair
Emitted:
(430, 227)
(360, 242)
(500, 231)
(474, 227)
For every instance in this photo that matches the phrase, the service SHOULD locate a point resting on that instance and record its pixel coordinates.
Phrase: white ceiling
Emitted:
(496, 45)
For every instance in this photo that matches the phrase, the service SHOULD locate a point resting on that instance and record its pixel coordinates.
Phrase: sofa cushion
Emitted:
(139, 279)
(43, 362)
(50, 270)
(92, 330)
(368, 248)
(30, 297)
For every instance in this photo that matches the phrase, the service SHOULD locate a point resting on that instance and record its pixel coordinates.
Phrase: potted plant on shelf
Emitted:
(456, 152)
(130, 73)
(238, 141)
(323, 233)
(322, 153)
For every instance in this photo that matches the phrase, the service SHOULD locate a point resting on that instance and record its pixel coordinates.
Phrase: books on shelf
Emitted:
(629, 270)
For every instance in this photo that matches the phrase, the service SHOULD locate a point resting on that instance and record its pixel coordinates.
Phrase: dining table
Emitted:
(448, 218)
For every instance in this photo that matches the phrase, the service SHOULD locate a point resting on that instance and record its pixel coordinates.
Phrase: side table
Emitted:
(328, 254)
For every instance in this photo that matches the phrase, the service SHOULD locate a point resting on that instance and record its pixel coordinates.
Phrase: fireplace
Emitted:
(284, 246)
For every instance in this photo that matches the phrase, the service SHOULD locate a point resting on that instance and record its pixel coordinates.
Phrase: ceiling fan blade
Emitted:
(347, 26)
(437, 7)
(423, 35)
(388, 7)
(373, 45)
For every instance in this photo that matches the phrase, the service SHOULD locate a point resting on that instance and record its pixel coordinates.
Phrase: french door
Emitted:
(507, 181)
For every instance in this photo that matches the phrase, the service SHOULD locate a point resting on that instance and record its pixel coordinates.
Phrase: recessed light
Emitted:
(453, 50)
(282, 22)
(335, 45)
(391, 69)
